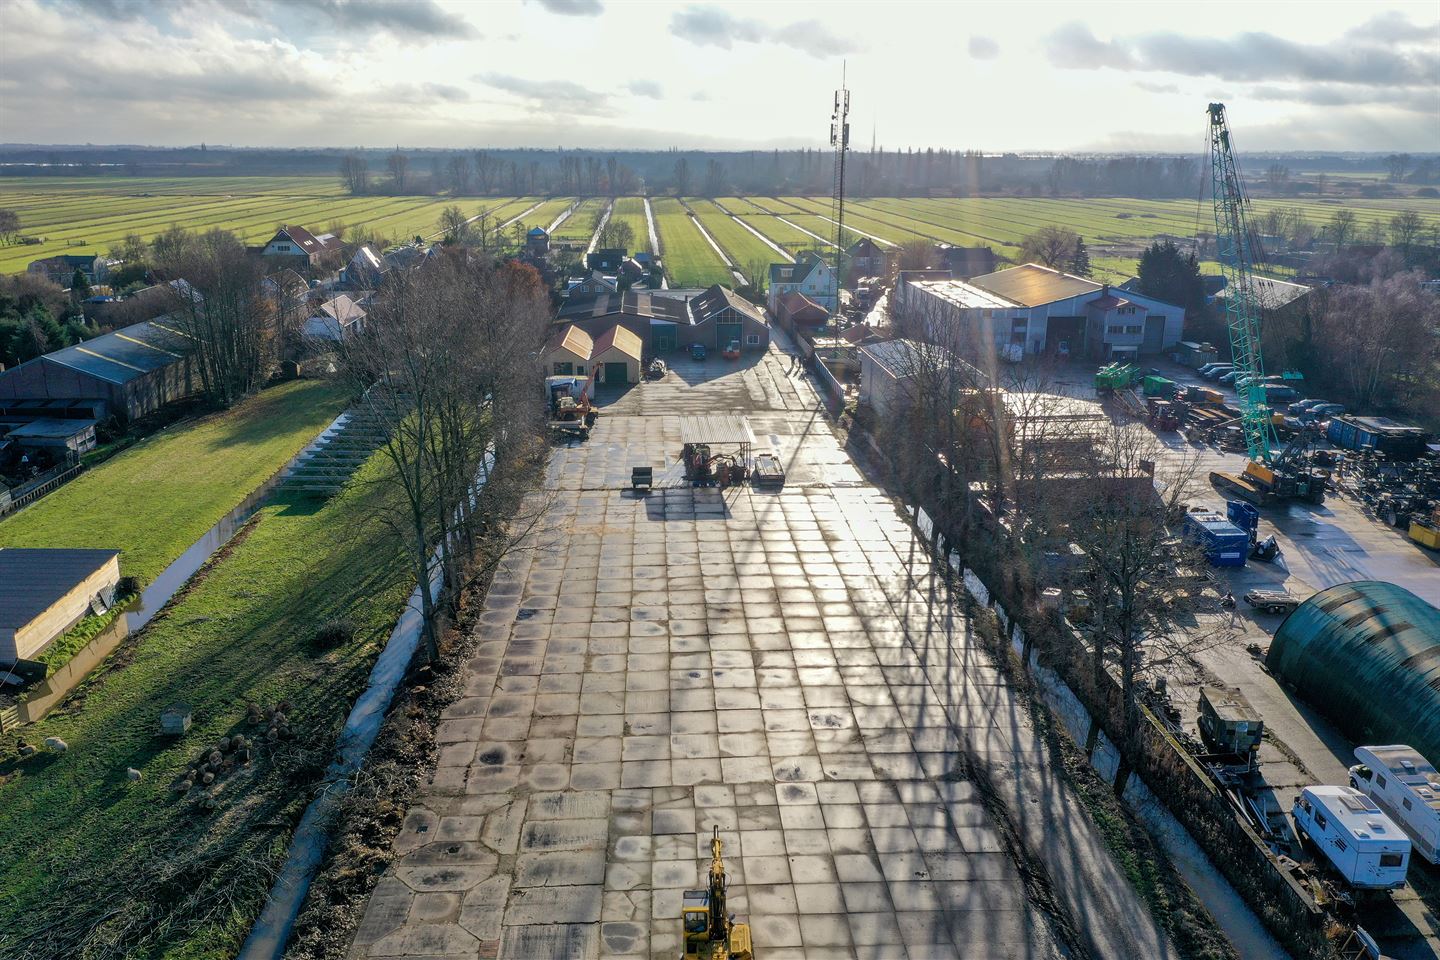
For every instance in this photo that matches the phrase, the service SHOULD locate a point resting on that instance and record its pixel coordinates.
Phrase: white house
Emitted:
(809, 275)
(1048, 312)
(337, 319)
(299, 242)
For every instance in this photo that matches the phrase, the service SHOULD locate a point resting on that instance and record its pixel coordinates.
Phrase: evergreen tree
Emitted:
(1079, 259)
(36, 334)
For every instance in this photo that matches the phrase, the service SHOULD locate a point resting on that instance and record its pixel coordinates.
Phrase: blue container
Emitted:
(1223, 543)
(1244, 515)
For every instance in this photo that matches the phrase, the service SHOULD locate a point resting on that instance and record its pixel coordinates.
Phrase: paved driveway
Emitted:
(773, 664)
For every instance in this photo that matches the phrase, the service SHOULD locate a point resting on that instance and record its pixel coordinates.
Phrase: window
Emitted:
(1320, 820)
(753, 340)
(562, 369)
(1391, 859)
(1380, 781)
(1133, 330)
(579, 368)
(1405, 802)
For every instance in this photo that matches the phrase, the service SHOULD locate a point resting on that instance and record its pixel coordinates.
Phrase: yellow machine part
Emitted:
(740, 942)
(1425, 534)
(1260, 472)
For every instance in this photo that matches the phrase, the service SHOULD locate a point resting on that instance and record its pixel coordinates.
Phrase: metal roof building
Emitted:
(1367, 656)
(134, 370)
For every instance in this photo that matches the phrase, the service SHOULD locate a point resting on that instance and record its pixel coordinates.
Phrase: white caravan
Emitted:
(1366, 846)
(1407, 787)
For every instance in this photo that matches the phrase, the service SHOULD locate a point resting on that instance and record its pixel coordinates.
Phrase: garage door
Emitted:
(617, 373)
(1154, 335)
(725, 333)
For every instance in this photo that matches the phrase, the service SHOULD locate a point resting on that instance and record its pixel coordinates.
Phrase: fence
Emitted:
(39, 488)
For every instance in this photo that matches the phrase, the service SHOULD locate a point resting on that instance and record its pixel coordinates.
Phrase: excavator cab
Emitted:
(708, 932)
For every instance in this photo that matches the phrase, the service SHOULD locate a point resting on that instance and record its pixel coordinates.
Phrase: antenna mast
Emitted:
(840, 141)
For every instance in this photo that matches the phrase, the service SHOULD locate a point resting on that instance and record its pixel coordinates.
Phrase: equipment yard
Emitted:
(781, 665)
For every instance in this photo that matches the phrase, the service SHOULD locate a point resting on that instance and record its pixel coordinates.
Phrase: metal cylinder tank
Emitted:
(1366, 655)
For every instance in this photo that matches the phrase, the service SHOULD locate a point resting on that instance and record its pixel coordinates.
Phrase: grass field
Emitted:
(744, 249)
(631, 210)
(102, 866)
(690, 261)
(92, 214)
(153, 500)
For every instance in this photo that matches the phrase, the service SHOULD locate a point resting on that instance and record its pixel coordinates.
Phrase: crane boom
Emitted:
(1242, 307)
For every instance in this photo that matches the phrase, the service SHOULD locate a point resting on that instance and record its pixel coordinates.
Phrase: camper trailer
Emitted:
(1354, 834)
(1407, 787)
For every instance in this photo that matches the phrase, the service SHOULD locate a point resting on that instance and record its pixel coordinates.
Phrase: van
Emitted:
(1355, 835)
(1407, 787)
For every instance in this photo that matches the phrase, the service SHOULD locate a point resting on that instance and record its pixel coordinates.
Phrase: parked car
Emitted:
(1205, 368)
(1300, 406)
(1276, 393)
(1324, 411)
(1216, 370)
(1229, 375)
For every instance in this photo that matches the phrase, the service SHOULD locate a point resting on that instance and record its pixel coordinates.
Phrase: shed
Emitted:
(1367, 656)
(568, 352)
(616, 356)
(720, 432)
(45, 592)
(77, 436)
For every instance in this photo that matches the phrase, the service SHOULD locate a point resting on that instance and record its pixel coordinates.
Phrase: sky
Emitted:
(610, 74)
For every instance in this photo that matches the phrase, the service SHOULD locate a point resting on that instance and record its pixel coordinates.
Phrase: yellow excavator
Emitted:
(710, 933)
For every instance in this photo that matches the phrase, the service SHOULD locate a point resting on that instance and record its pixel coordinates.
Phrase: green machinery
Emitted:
(1268, 477)
(1115, 376)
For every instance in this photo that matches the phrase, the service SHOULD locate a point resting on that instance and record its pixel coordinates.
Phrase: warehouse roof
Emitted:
(34, 580)
(1367, 655)
(122, 355)
(963, 295)
(1031, 285)
(618, 338)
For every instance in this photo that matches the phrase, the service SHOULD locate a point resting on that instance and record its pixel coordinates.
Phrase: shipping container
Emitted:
(1397, 441)
(1223, 543)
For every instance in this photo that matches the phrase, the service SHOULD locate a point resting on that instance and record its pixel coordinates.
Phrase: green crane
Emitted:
(1268, 476)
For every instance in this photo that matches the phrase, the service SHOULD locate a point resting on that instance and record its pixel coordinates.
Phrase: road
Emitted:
(782, 665)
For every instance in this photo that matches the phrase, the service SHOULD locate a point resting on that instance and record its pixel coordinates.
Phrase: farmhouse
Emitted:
(337, 319)
(966, 262)
(714, 318)
(809, 275)
(43, 593)
(1046, 311)
(865, 258)
(794, 309)
(133, 371)
(61, 269)
(297, 242)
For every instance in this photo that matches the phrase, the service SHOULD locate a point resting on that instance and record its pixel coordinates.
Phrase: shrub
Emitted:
(335, 632)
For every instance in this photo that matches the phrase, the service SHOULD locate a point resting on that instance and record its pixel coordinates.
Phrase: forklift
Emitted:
(708, 931)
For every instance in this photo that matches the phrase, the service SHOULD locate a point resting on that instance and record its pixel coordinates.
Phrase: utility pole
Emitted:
(840, 142)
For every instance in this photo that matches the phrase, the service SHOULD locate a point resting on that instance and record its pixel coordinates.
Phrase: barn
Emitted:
(133, 371)
(43, 593)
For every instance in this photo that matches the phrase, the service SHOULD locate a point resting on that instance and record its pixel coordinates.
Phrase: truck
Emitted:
(1407, 787)
(1355, 836)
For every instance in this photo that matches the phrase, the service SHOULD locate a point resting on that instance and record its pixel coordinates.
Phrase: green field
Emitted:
(690, 261)
(98, 865)
(89, 215)
(631, 210)
(153, 500)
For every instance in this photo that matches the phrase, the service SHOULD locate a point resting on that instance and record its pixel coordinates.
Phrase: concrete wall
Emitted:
(30, 639)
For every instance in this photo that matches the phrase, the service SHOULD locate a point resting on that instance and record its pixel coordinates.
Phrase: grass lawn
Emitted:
(744, 249)
(102, 867)
(631, 210)
(156, 498)
(690, 261)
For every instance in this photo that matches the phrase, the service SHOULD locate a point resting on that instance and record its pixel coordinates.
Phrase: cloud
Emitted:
(1150, 87)
(1394, 27)
(1248, 57)
(645, 88)
(983, 48)
(417, 19)
(709, 26)
(572, 8)
(552, 96)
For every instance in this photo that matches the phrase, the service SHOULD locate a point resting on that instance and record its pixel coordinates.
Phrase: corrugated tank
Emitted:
(1367, 656)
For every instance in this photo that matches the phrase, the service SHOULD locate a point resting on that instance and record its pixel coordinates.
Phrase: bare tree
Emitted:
(1397, 164)
(218, 302)
(355, 173)
(9, 226)
(454, 224)
(682, 177)
(398, 166)
(1052, 247)
(1405, 228)
(447, 368)
(1341, 228)
(458, 172)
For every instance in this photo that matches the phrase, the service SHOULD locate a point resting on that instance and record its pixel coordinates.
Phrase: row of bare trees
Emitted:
(446, 367)
(1044, 490)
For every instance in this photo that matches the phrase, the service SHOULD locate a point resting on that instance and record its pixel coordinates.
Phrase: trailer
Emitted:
(1355, 836)
(1407, 787)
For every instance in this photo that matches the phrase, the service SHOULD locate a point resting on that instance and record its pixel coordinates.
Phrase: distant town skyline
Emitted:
(607, 74)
